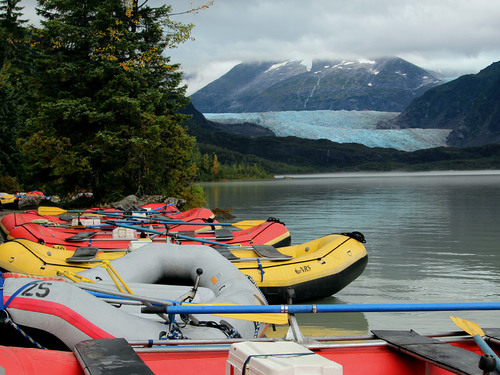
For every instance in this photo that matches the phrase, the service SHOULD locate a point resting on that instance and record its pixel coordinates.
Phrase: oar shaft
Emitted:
(174, 221)
(334, 308)
(104, 293)
(149, 219)
(200, 240)
(485, 348)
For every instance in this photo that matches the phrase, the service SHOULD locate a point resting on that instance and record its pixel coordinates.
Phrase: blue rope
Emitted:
(1, 291)
(17, 292)
(261, 269)
(7, 319)
(257, 324)
(175, 334)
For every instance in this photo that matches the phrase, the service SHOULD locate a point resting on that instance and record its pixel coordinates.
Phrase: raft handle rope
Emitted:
(257, 324)
(5, 314)
(273, 219)
(358, 236)
(7, 320)
(261, 270)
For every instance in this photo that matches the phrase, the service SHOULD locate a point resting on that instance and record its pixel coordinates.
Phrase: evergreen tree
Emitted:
(13, 53)
(11, 26)
(107, 101)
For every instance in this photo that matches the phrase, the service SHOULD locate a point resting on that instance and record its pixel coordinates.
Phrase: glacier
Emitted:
(339, 126)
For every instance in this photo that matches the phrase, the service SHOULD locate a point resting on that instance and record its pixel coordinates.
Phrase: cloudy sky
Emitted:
(451, 36)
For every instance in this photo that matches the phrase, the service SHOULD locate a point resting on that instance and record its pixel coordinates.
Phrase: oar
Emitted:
(244, 224)
(53, 211)
(477, 334)
(200, 240)
(271, 318)
(159, 209)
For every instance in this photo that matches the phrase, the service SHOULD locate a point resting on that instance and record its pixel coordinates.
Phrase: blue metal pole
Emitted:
(399, 307)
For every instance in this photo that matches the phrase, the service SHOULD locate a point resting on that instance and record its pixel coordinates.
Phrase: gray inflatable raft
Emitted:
(73, 314)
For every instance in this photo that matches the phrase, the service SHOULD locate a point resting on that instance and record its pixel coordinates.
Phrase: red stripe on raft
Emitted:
(61, 311)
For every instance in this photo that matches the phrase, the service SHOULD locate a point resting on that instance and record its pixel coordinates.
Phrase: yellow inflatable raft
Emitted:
(313, 270)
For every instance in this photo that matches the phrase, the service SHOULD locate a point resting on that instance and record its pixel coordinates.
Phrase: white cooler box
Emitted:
(85, 221)
(277, 358)
(124, 234)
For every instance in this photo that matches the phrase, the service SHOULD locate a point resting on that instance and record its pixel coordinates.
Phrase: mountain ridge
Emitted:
(468, 105)
(383, 84)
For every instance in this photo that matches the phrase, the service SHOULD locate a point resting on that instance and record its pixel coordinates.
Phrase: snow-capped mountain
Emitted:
(384, 84)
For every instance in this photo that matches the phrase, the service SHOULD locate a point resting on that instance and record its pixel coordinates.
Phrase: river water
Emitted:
(431, 238)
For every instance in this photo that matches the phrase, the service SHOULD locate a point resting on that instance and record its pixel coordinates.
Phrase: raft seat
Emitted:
(223, 234)
(265, 252)
(219, 234)
(268, 251)
(83, 255)
(110, 357)
(493, 333)
(224, 251)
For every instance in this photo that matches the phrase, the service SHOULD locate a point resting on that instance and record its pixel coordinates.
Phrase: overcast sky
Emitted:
(451, 36)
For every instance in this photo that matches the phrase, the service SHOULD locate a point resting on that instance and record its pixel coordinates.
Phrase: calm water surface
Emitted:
(430, 238)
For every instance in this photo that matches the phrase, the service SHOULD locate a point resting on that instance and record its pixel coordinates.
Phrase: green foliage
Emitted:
(243, 171)
(10, 117)
(195, 196)
(106, 101)
(9, 184)
(235, 164)
(209, 169)
(13, 69)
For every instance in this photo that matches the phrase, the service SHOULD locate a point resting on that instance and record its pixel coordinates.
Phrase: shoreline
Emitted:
(449, 173)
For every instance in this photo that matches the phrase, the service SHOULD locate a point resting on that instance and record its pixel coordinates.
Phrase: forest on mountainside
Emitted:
(292, 155)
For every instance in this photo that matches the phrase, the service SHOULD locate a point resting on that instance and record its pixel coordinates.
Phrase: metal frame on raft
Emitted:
(311, 342)
(294, 333)
(433, 349)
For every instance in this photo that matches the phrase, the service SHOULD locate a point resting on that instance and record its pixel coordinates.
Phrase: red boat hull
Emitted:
(15, 219)
(373, 359)
(267, 233)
